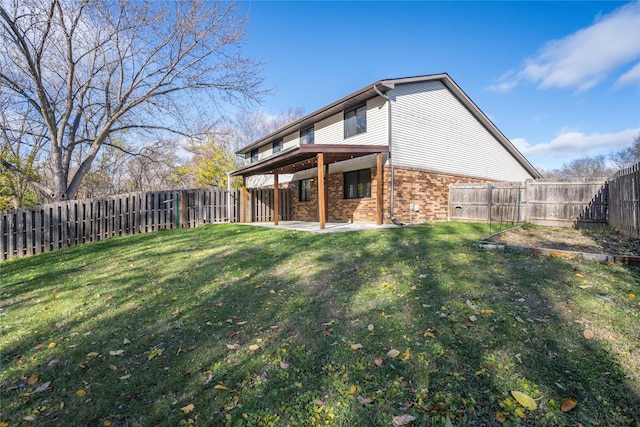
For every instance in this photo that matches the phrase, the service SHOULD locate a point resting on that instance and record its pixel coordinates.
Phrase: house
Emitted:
(387, 151)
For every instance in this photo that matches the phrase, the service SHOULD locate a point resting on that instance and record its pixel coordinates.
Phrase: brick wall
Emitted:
(428, 189)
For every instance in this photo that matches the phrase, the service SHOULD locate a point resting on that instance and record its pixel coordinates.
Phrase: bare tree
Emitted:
(249, 126)
(627, 156)
(95, 71)
(586, 167)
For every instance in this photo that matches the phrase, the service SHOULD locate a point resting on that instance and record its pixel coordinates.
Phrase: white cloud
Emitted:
(573, 144)
(582, 59)
(631, 77)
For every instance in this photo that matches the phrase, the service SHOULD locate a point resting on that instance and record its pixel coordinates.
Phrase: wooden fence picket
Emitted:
(46, 228)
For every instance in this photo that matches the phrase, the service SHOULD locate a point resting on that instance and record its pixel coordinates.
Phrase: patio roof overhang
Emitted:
(304, 157)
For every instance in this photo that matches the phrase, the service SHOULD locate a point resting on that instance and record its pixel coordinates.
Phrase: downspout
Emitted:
(229, 197)
(393, 219)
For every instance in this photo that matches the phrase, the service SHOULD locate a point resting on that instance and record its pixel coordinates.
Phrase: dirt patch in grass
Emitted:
(603, 241)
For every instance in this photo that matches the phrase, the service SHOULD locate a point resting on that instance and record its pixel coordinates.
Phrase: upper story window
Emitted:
(254, 155)
(357, 184)
(355, 121)
(307, 136)
(277, 146)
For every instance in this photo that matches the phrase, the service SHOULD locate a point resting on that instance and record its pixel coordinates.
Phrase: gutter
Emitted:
(391, 198)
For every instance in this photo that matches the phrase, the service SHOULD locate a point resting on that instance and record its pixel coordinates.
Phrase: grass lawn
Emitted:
(235, 325)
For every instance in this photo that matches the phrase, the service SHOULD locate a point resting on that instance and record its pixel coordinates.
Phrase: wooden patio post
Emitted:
(243, 201)
(379, 189)
(321, 198)
(276, 199)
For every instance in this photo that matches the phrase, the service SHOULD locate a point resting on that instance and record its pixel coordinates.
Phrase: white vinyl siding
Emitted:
(331, 129)
(433, 130)
(291, 140)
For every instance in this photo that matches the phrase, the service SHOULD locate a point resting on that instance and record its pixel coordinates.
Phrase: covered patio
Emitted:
(308, 156)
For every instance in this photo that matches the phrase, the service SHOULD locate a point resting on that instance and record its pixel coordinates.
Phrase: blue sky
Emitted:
(560, 79)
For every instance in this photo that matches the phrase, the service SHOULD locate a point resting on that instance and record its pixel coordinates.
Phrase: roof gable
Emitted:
(383, 86)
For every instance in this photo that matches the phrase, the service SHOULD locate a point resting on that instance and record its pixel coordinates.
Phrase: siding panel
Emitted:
(331, 129)
(433, 130)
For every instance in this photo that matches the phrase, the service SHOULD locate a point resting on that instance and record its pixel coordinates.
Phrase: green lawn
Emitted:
(235, 325)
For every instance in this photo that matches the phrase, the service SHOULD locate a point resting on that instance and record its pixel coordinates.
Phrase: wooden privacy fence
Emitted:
(624, 201)
(551, 203)
(50, 227)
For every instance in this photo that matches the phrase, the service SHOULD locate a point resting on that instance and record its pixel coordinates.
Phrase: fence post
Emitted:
(526, 201)
(489, 201)
(184, 209)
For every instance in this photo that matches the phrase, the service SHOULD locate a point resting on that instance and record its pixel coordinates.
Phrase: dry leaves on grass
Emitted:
(393, 353)
(524, 400)
(186, 409)
(568, 405)
(403, 420)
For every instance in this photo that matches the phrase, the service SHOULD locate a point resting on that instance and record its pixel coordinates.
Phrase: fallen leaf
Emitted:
(188, 408)
(80, 393)
(364, 400)
(113, 367)
(568, 405)
(209, 377)
(631, 295)
(39, 346)
(116, 352)
(393, 353)
(219, 387)
(29, 418)
(352, 389)
(284, 365)
(403, 420)
(253, 347)
(473, 318)
(524, 400)
(588, 334)
(33, 379)
(470, 305)
(518, 319)
(125, 377)
(579, 275)
(42, 387)
(371, 327)
(406, 355)
(155, 351)
(92, 354)
(274, 327)
(378, 361)
(318, 402)
(106, 423)
(487, 311)
(234, 346)
(501, 418)
(51, 345)
(241, 323)
(356, 346)
(126, 341)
